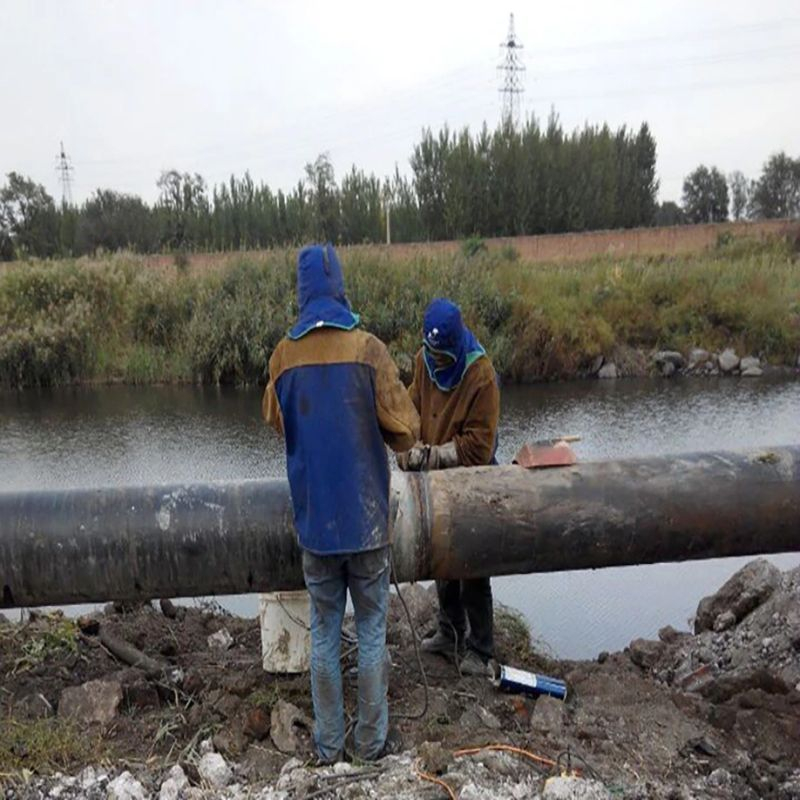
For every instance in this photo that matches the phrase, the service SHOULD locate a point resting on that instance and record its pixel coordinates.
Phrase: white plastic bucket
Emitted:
(285, 631)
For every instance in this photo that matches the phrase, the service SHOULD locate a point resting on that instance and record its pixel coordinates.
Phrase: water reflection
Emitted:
(126, 435)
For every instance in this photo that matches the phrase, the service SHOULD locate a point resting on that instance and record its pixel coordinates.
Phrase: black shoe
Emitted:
(393, 744)
(441, 644)
(473, 664)
(342, 755)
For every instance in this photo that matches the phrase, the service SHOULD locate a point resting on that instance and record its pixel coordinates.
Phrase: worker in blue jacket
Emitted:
(335, 395)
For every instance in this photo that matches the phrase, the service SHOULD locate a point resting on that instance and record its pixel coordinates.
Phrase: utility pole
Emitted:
(64, 169)
(512, 69)
(387, 206)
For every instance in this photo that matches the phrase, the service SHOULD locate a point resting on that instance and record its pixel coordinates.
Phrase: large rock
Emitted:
(645, 652)
(283, 722)
(422, 606)
(94, 701)
(214, 770)
(698, 356)
(728, 360)
(256, 724)
(478, 717)
(670, 357)
(548, 715)
(743, 592)
(175, 783)
(752, 372)
(221, 640)
(137, 692)
(126, 787)
(434, 758)
(738, 681)
(749, 362)
(607, 371)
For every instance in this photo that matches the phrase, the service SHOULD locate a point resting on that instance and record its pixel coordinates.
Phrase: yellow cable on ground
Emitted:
(433, 779)
(471, 751)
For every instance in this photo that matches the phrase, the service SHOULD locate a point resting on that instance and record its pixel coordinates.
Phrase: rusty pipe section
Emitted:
(615, 513)
(61, 547)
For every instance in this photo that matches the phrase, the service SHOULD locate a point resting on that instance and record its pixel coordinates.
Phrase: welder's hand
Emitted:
(414, 459)
(443, 456)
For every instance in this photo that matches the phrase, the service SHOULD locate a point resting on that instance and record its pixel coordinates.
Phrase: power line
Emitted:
(648, 90)
(64, 169)
(703, 35)
(512, 69)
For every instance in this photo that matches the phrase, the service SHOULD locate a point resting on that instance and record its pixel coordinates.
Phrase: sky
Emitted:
(133, 87)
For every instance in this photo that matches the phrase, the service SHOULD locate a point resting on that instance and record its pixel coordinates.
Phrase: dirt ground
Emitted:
(710, 714)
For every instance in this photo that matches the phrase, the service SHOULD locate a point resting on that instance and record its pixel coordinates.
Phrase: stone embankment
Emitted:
(708, 713)
(630, 362)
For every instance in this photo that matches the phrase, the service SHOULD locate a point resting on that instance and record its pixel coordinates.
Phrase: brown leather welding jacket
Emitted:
(467, 414)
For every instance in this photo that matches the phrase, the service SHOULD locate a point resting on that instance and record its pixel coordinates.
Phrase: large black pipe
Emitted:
(146, 542)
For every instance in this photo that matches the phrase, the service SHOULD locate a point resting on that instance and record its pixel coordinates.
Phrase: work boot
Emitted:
(473, 664)
(393, 744)
(440, 644)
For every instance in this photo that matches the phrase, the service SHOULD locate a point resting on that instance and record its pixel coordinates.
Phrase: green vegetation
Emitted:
(49, 637)
(46, 745)
(505, 182)
(119, 320)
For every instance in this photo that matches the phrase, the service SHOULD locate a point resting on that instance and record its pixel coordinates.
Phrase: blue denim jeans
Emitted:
(328, 578)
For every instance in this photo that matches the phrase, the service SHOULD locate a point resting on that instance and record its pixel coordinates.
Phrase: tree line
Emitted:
(506, 182)
(710, 196)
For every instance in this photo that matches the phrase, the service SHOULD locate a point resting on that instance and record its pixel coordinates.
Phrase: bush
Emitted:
(472, 246)
(117, 320)
(51, 349)
(159, 311)
(238, 323)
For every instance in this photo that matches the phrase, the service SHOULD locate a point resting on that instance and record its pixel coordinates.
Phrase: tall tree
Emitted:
(705, 195)
(115, 221)
(28, 218)
(739, 191)
(776, 194)
(182, 203)
(428, 166)
(668, 213)
(323, 199)
(361, 208)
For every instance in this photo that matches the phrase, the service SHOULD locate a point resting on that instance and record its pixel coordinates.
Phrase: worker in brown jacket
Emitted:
(455, 391)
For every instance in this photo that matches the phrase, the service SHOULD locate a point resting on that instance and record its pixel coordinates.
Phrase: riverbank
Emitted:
(714, 713)
(117, 320)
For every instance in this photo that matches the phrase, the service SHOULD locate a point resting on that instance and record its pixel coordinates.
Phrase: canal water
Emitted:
(126, 435)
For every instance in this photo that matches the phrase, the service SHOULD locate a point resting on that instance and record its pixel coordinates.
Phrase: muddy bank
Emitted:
(710, 713)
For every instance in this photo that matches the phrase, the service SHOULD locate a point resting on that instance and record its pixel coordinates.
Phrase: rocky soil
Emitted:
(631, 362)
(713, 713)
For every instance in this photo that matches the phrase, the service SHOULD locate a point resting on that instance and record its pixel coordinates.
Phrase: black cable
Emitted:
(570, 755)
(424, 711)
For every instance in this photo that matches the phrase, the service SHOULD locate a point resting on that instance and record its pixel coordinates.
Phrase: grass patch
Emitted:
(514, 643)
(512, 629)
(46, 745)
(265, 698)
(50, 636)
(118, 319)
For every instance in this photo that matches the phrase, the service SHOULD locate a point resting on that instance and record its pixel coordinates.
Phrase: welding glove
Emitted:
(423, 457)
(442, 456)
(414, 459)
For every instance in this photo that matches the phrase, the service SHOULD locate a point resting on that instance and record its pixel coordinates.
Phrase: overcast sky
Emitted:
(133, 87)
